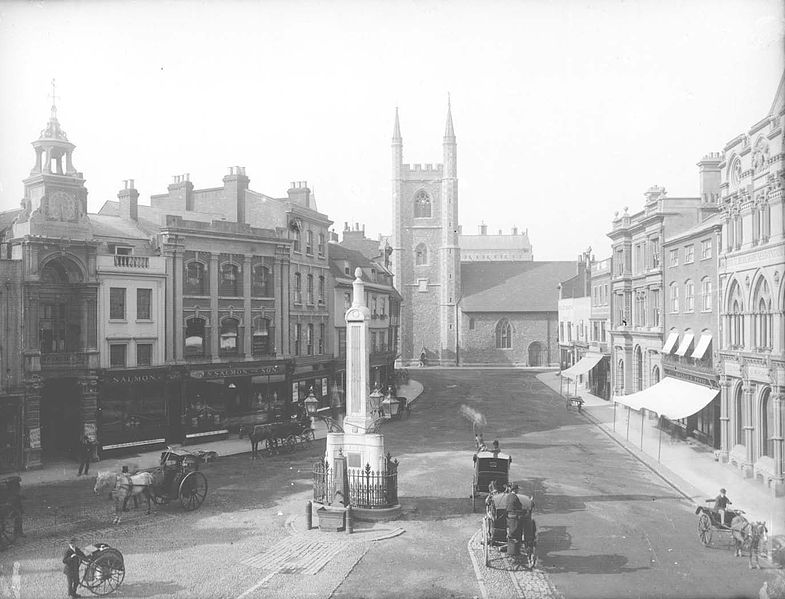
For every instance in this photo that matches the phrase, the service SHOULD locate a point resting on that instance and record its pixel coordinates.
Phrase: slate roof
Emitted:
(7, 218)
(513, 286)
(338, 254)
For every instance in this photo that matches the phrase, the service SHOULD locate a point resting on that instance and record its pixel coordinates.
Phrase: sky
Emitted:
(564, 112)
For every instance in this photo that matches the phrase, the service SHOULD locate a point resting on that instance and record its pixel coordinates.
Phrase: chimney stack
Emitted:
(129, 201)
(300, 194)
(483, 229)
(235, 186)
(709, 177)
(514, 230)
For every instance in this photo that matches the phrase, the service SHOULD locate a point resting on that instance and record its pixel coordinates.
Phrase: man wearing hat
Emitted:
(721, 502)
(73, 556)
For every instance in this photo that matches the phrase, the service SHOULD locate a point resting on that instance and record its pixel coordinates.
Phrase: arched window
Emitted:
(706, 301)
(194, 337)
(762, 317)
(503, 334)
(766, 423)
(196, 281)
(638, 364)
(655, 375)
(228, 341)
(422, 205)
(262, 281)
(535, 354)
(674, 297)
(735, 318)
(738, 409)
(620, 376)
(261, 335)
(230, 283)
(421, 254)
(689, 296)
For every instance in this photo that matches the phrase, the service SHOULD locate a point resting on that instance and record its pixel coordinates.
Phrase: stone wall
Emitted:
(478, 338)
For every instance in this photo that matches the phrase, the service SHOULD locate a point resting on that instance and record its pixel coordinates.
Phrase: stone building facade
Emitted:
(599, 381)
(512, 247)
(751, 361)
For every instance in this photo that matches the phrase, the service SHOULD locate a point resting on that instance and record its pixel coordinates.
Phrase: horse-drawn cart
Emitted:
(10, 510)
(179, 478)
(489, 466)
(709, 521)
(102, 570)
(508, 526)
(286, 435)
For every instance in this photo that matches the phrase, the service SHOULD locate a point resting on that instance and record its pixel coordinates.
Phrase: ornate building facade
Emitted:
(752, 298)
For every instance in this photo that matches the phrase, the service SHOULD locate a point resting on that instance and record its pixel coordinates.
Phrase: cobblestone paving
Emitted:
(504, 578)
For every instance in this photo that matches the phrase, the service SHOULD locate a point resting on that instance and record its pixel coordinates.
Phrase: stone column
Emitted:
(169, 352)
(749, 427)
(778, 398)
(175, 293)
(215, 326)
(279, 305)
(247, 308)
(285, 335)
(32, 421)
(724, 419)
(357, 360)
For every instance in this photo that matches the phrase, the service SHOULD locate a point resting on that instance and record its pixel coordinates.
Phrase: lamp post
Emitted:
(312, 409)
(376, 398)
(390, 405)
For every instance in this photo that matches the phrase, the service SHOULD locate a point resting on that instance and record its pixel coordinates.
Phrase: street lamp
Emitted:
(390, 405)
(376, 402)
(312, 409)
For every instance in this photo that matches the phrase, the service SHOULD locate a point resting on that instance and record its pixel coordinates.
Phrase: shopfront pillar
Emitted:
(749, 428)
(285, 336)
(247, 321)
(89, 405)
(724, 419)
(778, 437)
(175, 300)
(32, 421)
(214, 325)
(278, 305)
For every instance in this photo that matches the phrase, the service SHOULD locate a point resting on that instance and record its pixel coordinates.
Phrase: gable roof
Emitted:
(513, 286)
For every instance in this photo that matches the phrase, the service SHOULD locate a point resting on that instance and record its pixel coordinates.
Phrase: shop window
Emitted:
(228, 341)
(261, 336)
(144, 304)
(144, 354)
(117, 303)
(309, 340)
(262, 281)
(196, 281)
(195, 337)
(230, 284)
(117, 355)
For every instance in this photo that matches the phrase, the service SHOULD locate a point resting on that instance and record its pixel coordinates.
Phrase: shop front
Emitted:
(306, 378)
(219, 399)
(10, 434)
(133, 408)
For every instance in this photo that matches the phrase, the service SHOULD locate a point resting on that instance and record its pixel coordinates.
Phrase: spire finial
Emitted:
(396, 127)
(449, 132)
(54, 96)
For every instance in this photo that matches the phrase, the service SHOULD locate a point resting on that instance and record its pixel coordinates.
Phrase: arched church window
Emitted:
(503, 334)
(422, 205)
(421, 254)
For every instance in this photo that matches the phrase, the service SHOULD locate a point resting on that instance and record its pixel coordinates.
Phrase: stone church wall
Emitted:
(478, 344)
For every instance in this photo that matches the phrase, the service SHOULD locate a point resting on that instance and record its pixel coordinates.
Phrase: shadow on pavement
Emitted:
(437, 508)
(150, 589)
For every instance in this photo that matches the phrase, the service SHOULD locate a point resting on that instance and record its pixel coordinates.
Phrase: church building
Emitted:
(478, 304)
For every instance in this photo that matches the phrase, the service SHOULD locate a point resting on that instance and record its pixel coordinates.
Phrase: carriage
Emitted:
(10, 510)
(102, 570)
(509, 528)
(286, 435)
(489, 466)
(178, 477)
(709, 521)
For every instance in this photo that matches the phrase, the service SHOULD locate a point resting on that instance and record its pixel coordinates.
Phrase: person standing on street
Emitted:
(73, 556)
(85, 454)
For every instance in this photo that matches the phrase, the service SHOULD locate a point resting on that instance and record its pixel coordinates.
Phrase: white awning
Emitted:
(584, 365)
(703, 345)
(671, 398)
(686, 341)
(673, 337)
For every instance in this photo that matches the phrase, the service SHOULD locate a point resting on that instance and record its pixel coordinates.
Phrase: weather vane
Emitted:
(53, 95)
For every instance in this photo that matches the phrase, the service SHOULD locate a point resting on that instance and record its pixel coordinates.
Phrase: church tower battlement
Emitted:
(426, 254)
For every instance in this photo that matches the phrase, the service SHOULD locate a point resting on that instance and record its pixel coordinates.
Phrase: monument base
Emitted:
(378, 514)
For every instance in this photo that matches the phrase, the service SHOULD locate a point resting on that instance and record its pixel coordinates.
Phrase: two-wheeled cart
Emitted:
(102, 570)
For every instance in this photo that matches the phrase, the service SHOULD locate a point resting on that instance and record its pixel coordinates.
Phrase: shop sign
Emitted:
(324, 387)
(135, 378)
(35, 438)
(234, 371)
(295, 395)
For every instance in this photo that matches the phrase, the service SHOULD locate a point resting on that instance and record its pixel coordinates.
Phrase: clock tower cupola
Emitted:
(55, 200)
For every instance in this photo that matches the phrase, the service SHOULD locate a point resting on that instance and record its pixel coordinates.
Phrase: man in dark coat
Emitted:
(72, 558)
(85, 454)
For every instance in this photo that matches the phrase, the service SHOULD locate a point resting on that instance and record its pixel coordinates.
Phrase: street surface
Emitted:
(608, 526)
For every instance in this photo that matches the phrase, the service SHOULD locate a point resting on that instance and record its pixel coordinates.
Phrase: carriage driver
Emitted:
(721, 503)
(73, 556)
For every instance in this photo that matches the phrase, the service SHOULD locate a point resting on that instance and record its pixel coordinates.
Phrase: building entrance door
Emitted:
(60, 417)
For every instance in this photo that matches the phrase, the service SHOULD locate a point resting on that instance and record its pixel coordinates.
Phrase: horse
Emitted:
(122, 487)
(748, 534)
(257, 434)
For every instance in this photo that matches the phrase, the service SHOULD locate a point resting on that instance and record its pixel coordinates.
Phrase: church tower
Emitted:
(426, 256)
(55, 200)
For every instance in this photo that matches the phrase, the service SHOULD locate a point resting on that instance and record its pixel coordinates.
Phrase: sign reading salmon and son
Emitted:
(236, 371)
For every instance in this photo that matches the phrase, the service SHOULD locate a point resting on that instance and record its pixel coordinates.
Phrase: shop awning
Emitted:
(686, 341)
(582, 366)
(703, 345)
(671, 398)
(673, 337)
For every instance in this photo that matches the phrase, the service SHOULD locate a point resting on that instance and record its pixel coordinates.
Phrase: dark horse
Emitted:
(257, 434)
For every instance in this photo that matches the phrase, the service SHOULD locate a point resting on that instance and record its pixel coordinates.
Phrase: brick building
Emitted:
(599, 382)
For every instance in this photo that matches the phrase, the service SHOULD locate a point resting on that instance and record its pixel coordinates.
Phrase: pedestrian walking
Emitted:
(85, 454)
(72, 559)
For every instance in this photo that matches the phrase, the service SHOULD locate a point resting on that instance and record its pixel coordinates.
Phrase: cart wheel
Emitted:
(704, 529)
(193, 490)
(486, 541)
(7, 528)
(105, 574)
(291, 443)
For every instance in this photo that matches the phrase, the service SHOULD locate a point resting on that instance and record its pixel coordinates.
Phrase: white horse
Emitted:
(124, 486)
